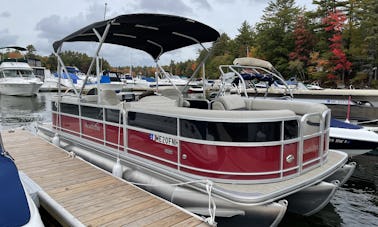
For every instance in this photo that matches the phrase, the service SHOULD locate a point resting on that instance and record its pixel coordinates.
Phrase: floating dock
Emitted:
(86, 194)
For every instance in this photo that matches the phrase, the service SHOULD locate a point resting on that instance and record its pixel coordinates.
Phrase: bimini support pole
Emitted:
(101, 40)
(165, 74)
(201, 64)
(60, 62)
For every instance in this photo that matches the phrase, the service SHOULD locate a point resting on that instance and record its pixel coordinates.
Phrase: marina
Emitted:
(357, 198)
(95, 146)
(231, 156)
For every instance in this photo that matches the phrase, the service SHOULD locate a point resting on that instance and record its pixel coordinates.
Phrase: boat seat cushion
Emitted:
(298, 107)
(216, 105)
(230, 102)
(108, 97)
(89, 98)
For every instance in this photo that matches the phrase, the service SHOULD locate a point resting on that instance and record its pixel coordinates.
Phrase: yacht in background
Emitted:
(17, 77)
(50, 83)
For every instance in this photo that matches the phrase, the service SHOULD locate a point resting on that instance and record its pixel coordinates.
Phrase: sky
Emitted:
(41, 22)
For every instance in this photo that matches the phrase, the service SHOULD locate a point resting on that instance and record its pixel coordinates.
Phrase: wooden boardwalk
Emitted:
(91, 195)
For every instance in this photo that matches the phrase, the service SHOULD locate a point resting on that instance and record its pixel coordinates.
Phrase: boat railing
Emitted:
(93, 123)
(319, 121)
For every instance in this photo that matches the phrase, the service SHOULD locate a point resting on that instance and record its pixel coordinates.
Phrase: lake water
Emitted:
(355, 204)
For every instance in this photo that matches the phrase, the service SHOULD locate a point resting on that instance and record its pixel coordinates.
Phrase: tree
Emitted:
(304, 43)
(369, 29)
(274, 39)
(30, 51)
(334, 24)
(244, 41)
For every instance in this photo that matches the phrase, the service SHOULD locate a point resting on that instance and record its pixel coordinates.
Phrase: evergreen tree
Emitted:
(30, 51)
(369, 29)
(244, 41)
(274, 37)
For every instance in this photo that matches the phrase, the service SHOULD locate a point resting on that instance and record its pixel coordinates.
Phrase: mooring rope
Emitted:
(209, 187)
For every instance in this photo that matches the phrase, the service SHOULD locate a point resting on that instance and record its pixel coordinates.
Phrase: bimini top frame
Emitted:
(253, 66)
(155, 34)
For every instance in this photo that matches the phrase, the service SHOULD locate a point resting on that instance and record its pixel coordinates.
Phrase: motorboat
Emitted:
(350, 138)
(50, 82)
(17, 77)
(72, 77)
(16, 205)
(171, 79)
(219, 158)
(144, 82)
(140, 82)
(111, 81)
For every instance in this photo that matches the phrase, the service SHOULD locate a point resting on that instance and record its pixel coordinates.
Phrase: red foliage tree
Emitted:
(304, 42)
(335, 23)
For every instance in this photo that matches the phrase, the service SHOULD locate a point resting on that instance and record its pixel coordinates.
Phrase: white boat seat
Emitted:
(298, 107)
(89, 98)
(108, 97)
(230, 102)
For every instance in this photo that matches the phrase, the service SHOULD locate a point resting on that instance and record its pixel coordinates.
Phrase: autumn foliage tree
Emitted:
(304, 43)
(334, 24)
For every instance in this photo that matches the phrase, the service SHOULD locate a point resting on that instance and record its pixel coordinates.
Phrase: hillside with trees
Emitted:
(335, 44)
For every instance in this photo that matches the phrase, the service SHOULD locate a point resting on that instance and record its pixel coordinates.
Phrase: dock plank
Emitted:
(94, 197)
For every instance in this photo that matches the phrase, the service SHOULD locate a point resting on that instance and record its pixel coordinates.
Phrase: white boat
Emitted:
(166, 79)
(111, 81)
(139, 82)
(50, 82)
(211, 158)
(17, 77)
(352, 139)
(170, 80)
(17, 208)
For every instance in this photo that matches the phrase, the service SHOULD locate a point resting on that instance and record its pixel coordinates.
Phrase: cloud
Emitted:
(166, 6)
(203, 4)
(56, 27)
(7, 39)
(5, 14)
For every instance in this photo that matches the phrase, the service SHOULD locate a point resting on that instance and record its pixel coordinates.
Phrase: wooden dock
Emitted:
(92, 196)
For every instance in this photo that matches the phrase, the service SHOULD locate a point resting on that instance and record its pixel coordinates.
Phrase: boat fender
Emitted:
(117, 169)
(56, 140)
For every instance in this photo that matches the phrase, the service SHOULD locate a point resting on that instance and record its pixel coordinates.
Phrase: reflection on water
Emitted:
(16, 111)
(354, 204)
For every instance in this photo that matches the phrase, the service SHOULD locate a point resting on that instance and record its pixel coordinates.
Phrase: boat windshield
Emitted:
(17, 73)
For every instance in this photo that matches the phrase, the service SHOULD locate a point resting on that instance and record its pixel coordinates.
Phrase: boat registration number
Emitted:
(164, 140)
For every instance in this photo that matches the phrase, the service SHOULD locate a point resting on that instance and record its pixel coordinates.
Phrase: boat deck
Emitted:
(91, 195)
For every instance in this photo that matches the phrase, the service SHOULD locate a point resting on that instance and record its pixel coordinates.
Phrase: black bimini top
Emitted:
(14, 47)
(152, 33)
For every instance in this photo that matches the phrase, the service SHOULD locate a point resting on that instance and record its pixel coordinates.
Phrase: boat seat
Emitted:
(300, 108)
(229, 102)
(89, 98)
(108, 97)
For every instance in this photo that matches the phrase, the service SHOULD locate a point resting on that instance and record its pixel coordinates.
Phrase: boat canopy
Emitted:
(14, 47)
(152, 33)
